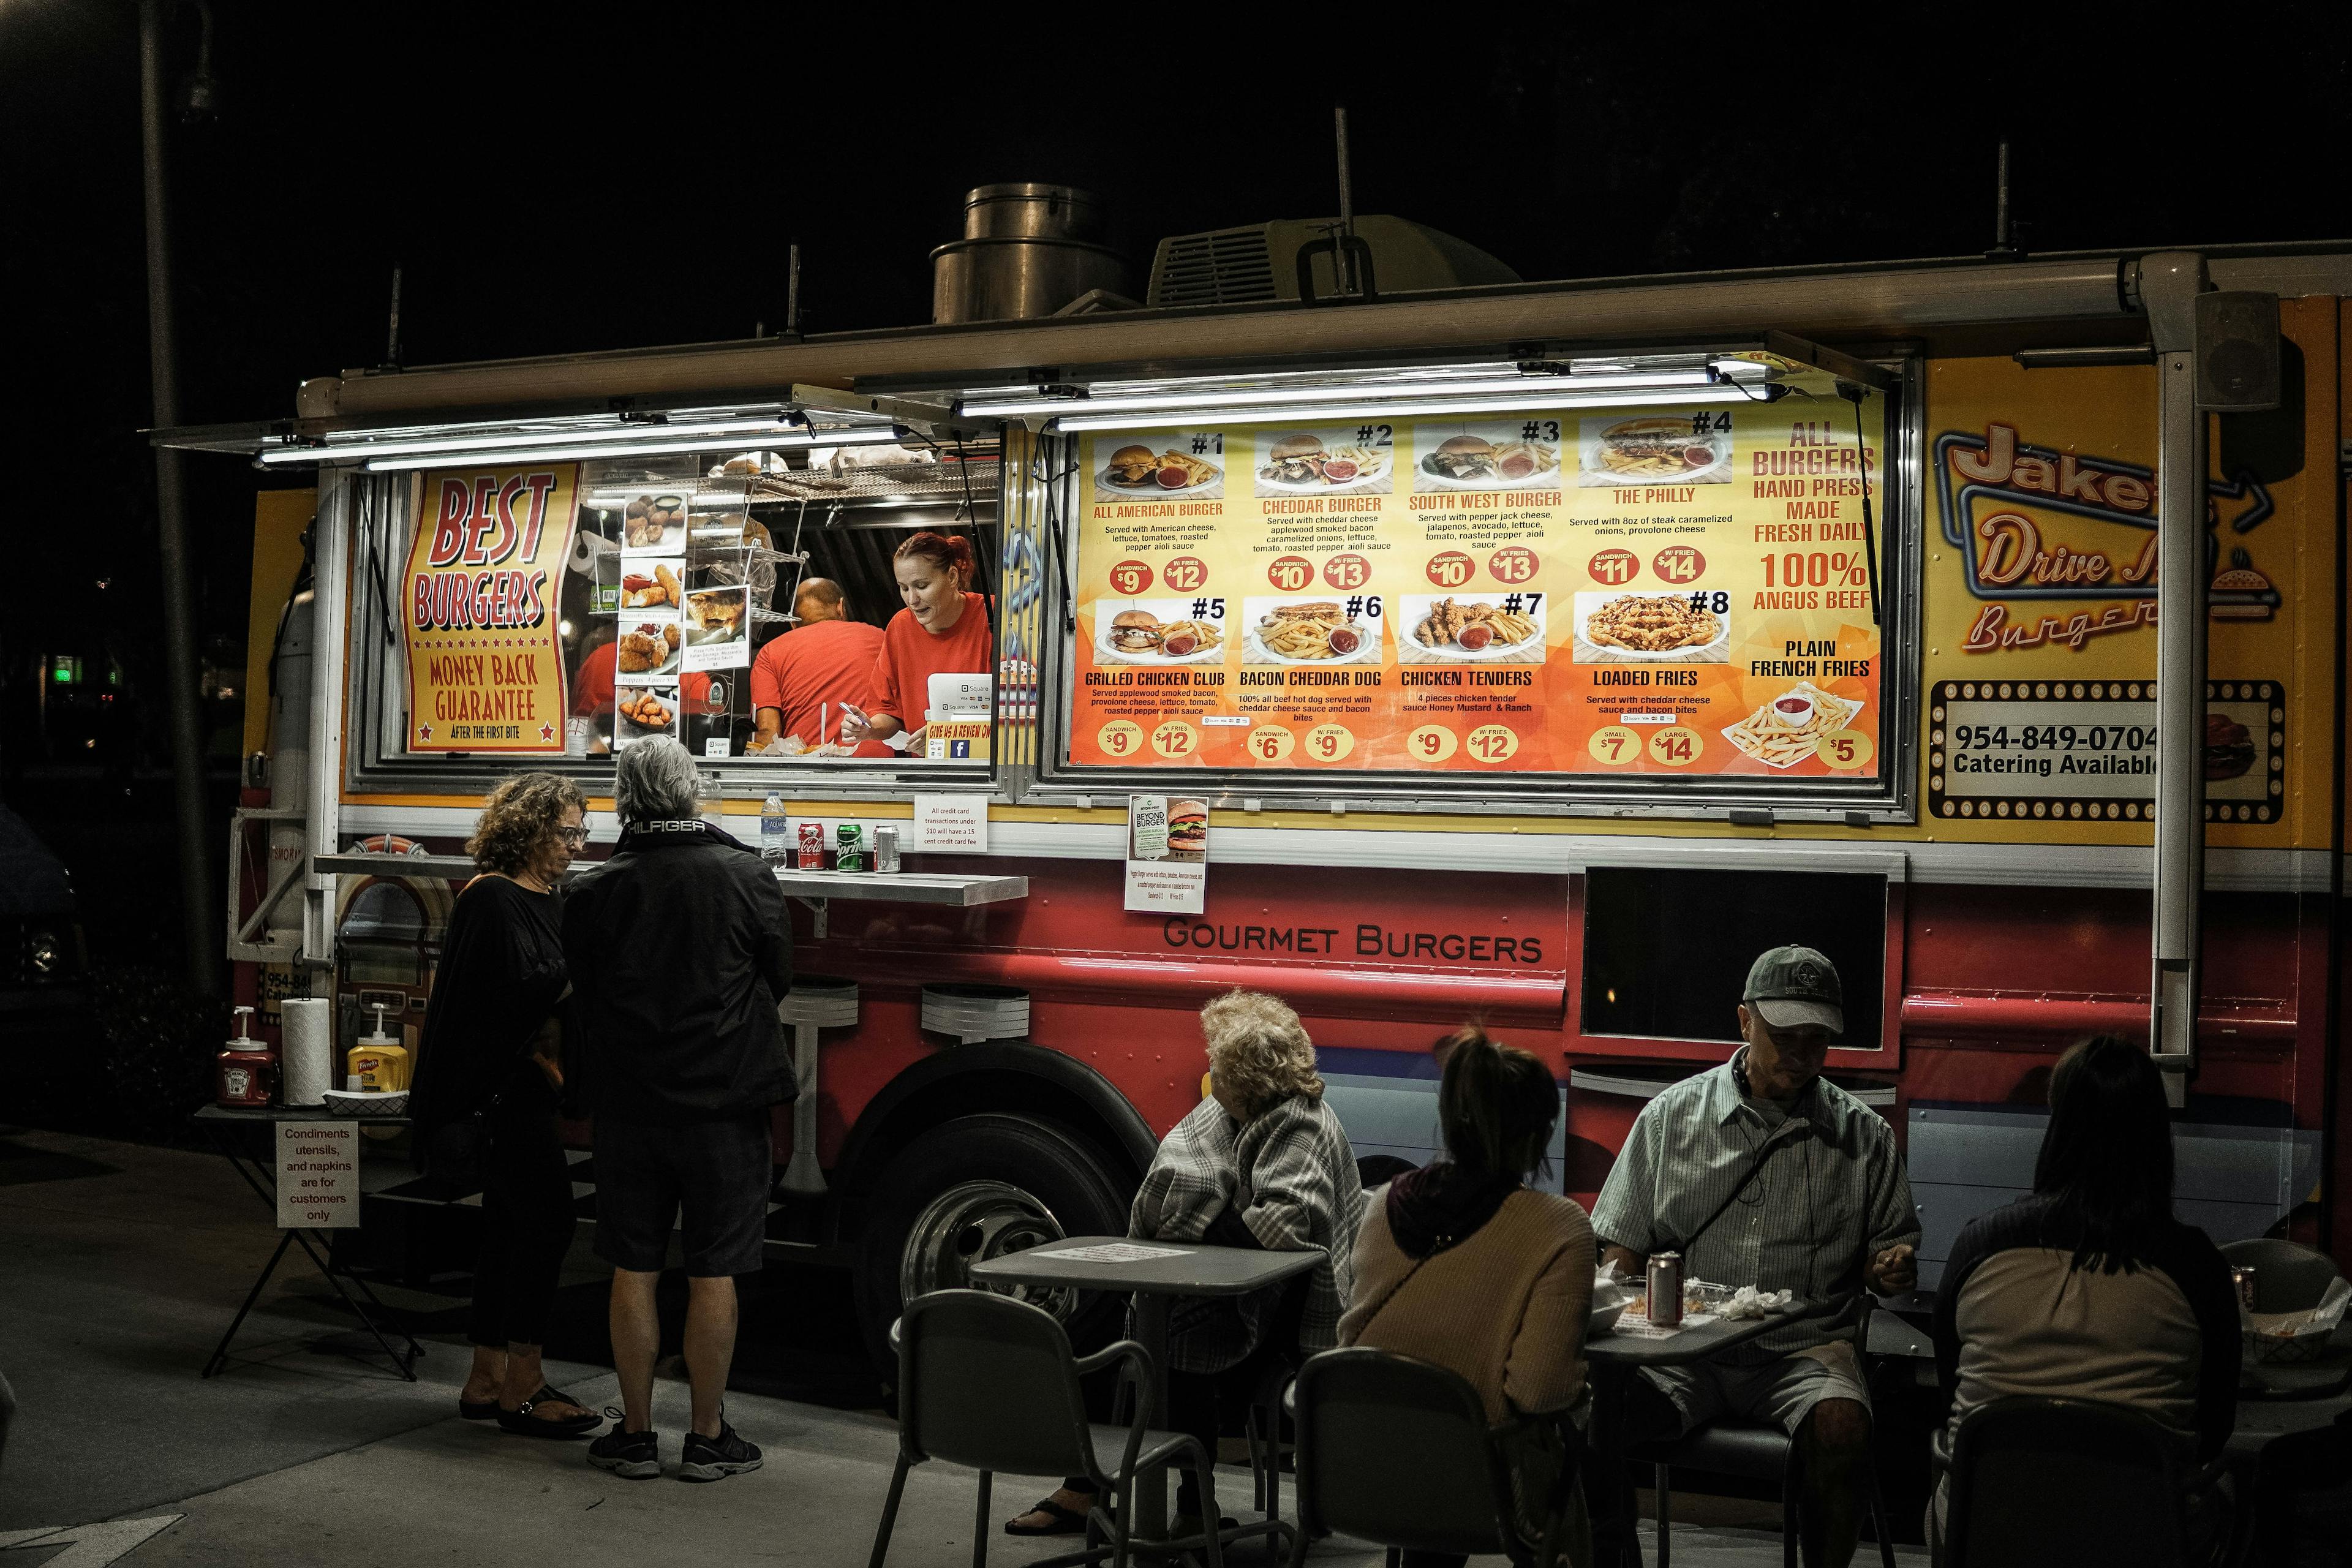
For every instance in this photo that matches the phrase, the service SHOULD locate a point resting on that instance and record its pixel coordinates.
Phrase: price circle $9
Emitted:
(1615, 746)
(1847, 750)
(1120, 739)
(1176, 739)
(1493, 743)
(1431, 743)
(1676, 746)
(1271, 744)
(1128, 579)
(1330, 742)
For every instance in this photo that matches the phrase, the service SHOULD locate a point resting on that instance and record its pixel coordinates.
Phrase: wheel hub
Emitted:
(970, 1223)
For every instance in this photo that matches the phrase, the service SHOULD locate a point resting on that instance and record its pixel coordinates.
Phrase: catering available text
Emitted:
(485, 660)
(1660, 590)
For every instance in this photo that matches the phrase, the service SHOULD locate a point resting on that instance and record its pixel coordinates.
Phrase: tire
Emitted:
(975, 1188)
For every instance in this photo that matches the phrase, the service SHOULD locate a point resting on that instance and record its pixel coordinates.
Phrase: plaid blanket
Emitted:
(1289, 1175)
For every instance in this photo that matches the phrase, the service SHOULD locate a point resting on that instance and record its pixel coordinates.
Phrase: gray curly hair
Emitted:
(1259, 1050)
(654, 780)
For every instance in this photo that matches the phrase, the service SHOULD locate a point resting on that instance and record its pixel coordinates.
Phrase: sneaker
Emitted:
(632, 1456)
(715, 1459)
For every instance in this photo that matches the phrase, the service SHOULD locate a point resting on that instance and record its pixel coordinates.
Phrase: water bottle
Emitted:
(775, 832)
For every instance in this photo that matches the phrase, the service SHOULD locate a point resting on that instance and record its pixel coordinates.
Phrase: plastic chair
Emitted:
(1761, 1453)
(1398, 1452)
(2288, 1275)
(991, 1384)
(2066, 1481)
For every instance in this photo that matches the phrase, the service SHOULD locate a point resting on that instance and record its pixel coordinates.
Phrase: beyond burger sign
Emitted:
(485, 656)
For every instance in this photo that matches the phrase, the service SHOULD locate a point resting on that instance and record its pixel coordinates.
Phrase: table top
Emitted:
(258, 1114)
(1190, 1268)
(1692, 1344)
(960, 889)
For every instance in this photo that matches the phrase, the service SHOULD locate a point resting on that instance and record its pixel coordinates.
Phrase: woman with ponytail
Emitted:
(1461, 1263)
(943, 630)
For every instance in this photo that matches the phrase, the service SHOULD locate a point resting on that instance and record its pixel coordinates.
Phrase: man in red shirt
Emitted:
(801, 679)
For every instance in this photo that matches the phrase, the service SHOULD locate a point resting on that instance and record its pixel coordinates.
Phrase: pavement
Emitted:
(119, 1266)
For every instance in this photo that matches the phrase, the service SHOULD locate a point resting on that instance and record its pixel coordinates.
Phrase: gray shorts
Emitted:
(1777, 1392)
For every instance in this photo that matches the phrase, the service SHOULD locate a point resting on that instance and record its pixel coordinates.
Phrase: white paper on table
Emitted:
(1634, 1326)
(1112, 1252)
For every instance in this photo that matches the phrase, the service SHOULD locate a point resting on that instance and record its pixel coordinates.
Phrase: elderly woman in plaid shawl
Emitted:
(1261, 1163)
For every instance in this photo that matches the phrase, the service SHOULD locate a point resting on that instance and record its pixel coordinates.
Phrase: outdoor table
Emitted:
(225, 1127)
(1183, 1269)
(1613, 1359)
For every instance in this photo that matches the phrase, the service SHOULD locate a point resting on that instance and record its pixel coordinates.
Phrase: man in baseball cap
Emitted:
(1760, 1172)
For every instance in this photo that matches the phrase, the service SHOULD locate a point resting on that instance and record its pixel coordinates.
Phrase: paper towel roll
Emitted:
(308, 1028)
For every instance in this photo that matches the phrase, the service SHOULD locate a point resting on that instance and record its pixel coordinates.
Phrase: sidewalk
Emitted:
(123, 1264)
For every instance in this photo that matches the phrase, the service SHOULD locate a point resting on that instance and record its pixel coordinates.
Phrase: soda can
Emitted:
(849, 847)
(812, 847)
(1664, 1306)
(2242, 1275)
(886, 850)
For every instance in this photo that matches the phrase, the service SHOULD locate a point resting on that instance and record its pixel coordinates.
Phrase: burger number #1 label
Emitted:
(1167, 854)
(1681, 592)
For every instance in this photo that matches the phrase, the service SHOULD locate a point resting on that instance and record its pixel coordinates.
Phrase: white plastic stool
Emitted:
(815, 1002)
(976, 1013)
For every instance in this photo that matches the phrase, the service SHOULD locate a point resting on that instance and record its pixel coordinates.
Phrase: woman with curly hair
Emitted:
(1262, 1162)
(487, 1088)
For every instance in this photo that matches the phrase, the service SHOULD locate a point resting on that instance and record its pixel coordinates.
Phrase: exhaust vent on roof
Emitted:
(1294, 258)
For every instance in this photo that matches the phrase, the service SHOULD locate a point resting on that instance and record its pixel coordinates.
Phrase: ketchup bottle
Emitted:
(247, 1068)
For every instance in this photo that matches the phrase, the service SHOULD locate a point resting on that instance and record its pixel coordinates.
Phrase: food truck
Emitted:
(1532, 653)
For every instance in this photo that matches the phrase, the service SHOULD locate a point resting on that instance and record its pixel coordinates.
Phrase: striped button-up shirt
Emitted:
(1831, 1194)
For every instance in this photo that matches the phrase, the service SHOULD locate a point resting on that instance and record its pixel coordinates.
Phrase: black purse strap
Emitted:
(1771, 1145)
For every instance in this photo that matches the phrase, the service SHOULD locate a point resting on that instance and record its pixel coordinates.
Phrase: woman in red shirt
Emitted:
(943, 630)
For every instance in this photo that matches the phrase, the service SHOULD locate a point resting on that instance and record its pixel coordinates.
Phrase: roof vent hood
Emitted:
(1027, 250)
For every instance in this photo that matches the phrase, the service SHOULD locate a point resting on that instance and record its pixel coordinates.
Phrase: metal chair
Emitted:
(2053, 1481)
(2288, 1275)
(991, 1384)
(1758, 1453)
(1398, 1452)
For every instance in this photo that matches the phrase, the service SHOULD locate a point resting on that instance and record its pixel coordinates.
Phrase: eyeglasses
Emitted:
(577, 837)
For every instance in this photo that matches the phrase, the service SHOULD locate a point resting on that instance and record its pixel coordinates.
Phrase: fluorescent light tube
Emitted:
(393, 457)
(1528, 399)
(459, 445)
(592, 449)
(1548, 388)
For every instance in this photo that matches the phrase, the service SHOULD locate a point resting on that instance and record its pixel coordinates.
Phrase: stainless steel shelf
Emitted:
(862, 886)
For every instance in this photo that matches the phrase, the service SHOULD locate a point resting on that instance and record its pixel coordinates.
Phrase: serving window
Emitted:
(743, 602)
(1672, 603)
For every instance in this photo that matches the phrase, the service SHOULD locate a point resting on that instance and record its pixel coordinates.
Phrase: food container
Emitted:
(362, 1103)
(2295, 1336)
(886, 850)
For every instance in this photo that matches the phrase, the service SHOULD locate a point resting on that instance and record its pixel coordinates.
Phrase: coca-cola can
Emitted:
(1664, 1306)
(2242, 1275)
(812, 847)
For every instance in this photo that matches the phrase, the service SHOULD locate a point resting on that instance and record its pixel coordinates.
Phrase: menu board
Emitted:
(1659, 590)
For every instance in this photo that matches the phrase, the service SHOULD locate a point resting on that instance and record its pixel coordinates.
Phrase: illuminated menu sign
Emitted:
(1662, 589)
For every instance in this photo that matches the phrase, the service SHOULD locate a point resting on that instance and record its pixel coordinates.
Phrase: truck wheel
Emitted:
(980, 1187)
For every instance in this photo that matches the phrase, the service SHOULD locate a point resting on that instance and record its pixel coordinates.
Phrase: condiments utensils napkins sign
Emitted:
(1167, 854)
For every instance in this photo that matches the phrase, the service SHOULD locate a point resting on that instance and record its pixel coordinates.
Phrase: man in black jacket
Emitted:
(679, 948)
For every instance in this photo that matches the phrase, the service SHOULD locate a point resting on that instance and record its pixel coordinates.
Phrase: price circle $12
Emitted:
(1431, 743)
(1271, 744)
(1330, 742)
(1129, 579)
(1493, 743)
(1512, 563)
(1120, 738)
(1614, 567)
(1187, 574)
(1451, 570)
(1291, 573)
(1676, 746)
(1176, 738)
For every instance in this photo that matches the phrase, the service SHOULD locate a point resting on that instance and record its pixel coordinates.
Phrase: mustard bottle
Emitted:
(379, 1063)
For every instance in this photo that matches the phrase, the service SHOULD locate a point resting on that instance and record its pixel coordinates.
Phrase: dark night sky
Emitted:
(571, 178)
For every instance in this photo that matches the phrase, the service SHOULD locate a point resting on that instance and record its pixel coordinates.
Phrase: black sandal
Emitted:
(1067, 1521)
(522, 1423)
(482, 1410)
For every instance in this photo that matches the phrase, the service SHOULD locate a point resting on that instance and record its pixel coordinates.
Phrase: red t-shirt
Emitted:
(808, 672)
(592, 685)
(912, 655)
